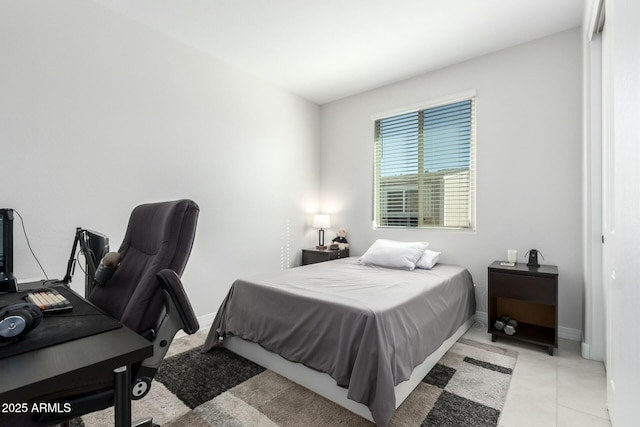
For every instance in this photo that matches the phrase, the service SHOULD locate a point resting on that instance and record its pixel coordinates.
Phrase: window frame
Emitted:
(473, 155)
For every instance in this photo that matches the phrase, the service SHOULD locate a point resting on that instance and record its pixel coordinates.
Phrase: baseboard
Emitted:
(585, 350)
(563, 332)
(205, 321)
(569, 333)
(481, 317)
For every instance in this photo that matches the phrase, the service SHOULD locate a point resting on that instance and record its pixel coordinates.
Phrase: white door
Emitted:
(612, 298)
(608, 221)
(621, 207)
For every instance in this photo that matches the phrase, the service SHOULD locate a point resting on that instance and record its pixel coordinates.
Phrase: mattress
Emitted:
(367, 327)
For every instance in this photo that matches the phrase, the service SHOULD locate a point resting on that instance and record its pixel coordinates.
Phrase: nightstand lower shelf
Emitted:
(527, 332)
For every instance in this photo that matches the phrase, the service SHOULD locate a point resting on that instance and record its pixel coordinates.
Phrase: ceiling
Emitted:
(324, 50)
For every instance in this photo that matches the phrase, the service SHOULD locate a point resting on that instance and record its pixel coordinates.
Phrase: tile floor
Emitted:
(564, 390)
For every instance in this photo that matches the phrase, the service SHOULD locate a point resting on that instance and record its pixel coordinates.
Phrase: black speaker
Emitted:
(17, 320)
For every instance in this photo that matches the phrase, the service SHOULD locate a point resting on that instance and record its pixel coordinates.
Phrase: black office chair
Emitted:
(146, 295)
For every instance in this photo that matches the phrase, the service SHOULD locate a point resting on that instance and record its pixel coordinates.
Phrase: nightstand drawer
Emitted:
(313, 256)
(540, 290)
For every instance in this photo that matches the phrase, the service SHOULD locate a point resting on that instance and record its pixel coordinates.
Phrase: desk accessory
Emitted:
(17, 320)
(49, 301)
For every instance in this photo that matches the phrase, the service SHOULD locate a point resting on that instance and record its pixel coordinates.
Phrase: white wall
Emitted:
(529, 162)
(99, 114)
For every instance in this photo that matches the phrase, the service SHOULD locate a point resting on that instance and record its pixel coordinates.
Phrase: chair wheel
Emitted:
(140, 388)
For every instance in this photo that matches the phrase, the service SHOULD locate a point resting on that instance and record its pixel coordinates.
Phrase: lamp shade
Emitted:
(321, 221)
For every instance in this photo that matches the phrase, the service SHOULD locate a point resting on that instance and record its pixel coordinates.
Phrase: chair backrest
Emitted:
(159, 236)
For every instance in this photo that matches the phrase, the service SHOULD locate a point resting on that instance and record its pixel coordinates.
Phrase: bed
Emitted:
(363, 336)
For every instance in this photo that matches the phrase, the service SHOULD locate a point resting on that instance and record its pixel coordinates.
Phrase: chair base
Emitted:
(145, 422)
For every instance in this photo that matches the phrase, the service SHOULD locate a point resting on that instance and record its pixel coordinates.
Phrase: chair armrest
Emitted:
(179, 315)
(171, 283)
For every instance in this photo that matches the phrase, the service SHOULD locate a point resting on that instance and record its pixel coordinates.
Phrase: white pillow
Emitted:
(428, 259)
(394, 254)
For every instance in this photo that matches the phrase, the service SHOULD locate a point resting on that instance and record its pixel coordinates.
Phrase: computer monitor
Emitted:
(7, 281)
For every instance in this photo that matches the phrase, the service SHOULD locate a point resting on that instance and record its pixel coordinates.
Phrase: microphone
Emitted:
(107, 267)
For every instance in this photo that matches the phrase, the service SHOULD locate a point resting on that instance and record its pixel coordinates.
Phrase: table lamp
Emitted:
(321, 222)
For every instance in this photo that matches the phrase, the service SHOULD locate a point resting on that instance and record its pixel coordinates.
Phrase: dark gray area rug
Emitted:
(467, 387)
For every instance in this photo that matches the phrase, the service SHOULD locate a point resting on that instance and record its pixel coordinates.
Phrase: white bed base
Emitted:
(326, 386)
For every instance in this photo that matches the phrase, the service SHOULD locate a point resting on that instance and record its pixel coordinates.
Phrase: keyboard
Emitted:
(49, 301)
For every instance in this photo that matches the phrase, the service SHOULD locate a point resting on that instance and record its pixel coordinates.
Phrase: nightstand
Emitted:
(530, 296)
(312, 256)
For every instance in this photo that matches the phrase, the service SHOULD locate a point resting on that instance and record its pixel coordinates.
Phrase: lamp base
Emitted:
(321, 248)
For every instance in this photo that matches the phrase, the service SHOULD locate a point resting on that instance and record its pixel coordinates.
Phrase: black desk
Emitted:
(27, 376)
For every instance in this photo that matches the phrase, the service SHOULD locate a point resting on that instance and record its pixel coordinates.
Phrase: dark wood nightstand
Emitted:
(530, 296)
(312, 256)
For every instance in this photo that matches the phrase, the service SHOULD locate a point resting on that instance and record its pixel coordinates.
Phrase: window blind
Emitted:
(425, 168)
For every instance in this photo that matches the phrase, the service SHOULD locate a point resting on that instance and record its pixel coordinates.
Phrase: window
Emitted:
(425, 167)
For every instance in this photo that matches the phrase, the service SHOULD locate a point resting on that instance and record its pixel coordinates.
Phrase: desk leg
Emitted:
(121, 399)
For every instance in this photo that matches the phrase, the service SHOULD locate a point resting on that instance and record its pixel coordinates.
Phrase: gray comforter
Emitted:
(367, 327)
